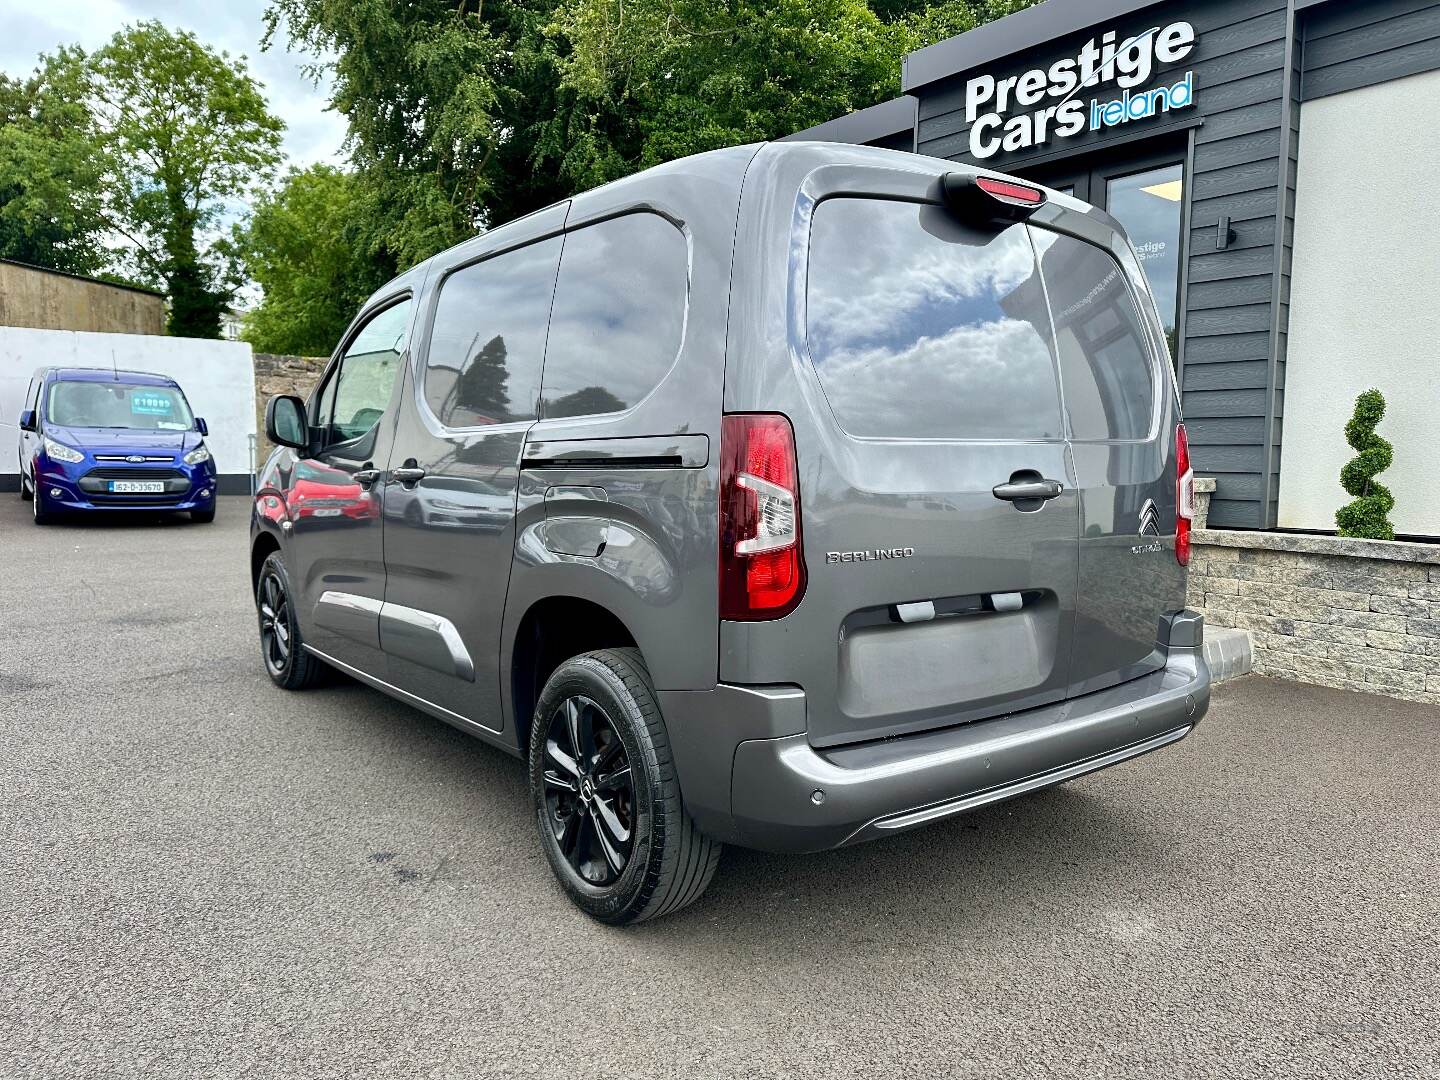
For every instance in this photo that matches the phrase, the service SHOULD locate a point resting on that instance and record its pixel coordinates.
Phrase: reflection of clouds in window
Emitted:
(871, 249)
(618, 317)
(486, 348)
(992, 380)
(921, 328)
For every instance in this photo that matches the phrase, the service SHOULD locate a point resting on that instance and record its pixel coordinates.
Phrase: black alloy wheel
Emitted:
(286, 661)
(606, 796)
(274, 606)
(589, 791)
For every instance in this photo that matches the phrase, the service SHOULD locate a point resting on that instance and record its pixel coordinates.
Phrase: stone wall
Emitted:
(1355, 614)
(48, 300)
(281, 375)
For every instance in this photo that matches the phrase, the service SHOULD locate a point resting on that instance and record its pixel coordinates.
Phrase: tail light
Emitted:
(1184, 496)
(762, 569)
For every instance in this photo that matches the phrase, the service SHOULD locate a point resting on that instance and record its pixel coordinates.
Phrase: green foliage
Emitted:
(1368, 515)
(50, 174)
(183, 129)
(302, 247)
(121, 163)
(646, 81)
(464, 114)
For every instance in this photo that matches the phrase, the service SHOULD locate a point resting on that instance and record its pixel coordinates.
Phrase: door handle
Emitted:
(367, 476)
(1029, 490)
(407, 476)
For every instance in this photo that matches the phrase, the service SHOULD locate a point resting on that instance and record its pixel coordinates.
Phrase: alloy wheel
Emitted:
(274, 607)
(589, 791)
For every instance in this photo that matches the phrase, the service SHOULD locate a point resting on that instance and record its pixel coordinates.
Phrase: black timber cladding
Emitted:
(1243, 149)
(1352, 45)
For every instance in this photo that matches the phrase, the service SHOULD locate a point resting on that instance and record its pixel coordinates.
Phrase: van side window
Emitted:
(358, 392)
(921, 327)
(619, 315)
(488, 341)
(1107, 369)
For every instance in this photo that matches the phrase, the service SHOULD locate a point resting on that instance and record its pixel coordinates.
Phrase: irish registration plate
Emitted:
(137, 487)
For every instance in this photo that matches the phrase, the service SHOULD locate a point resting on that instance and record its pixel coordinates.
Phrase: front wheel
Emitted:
(41, 515)
(287, 663)
(605, 794)
(203, 517)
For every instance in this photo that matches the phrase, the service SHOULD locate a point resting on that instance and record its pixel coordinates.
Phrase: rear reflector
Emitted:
(1184, 496)
(762, 569)
(982, 200)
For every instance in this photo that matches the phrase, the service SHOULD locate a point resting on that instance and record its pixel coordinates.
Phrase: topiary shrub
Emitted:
(1367, 517)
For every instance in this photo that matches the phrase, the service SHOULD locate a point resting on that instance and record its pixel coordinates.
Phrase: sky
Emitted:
(312, 134)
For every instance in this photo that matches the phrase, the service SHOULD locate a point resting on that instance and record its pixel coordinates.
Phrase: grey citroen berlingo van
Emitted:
(786, 496)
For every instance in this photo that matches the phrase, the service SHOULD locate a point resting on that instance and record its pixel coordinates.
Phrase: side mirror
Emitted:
(27, 420)
(202, 427)
(285, 423)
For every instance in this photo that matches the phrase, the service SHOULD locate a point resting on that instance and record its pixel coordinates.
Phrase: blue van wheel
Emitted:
(37, 504)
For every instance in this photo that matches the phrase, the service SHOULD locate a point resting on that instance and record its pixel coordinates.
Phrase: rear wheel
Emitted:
(286, 661)
(606, 798)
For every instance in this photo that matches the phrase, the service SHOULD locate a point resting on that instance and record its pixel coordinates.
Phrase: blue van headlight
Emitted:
(60, 452)
(196, 456)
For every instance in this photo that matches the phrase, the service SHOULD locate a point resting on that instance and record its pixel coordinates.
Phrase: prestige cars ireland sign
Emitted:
(1024, 111)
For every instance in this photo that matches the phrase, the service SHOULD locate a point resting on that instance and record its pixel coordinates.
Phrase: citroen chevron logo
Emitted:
(1149, 519)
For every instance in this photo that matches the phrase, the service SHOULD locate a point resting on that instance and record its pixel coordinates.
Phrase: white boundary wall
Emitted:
(1365, 310)
(218, 378)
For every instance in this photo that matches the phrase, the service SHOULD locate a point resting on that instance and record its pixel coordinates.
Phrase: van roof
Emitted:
(140, 378)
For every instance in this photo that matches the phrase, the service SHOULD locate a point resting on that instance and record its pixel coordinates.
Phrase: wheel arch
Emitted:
(264, 546)
(552, 630)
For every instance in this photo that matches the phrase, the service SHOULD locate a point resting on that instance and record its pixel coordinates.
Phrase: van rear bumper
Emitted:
(784, 795)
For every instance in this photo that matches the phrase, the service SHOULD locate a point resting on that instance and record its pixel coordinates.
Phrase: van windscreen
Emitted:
(920, 327)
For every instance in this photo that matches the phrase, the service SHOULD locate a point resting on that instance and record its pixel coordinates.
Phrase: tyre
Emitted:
(24, 489)
(37, 506)
(203, 517)
(606, 799)
(286, 661)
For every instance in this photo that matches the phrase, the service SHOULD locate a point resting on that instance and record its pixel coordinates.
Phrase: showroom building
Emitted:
(1275, 165)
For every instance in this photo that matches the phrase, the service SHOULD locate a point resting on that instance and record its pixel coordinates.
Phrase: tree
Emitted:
(1367, 515)
(50, 173)
(182, 130)
(302, 246)
(652, 80)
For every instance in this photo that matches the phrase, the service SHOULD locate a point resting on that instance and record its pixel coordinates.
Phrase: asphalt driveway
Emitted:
(201, 875)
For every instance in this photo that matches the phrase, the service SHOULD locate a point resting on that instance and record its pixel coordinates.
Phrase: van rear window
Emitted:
(920, 327)
(1106, 362)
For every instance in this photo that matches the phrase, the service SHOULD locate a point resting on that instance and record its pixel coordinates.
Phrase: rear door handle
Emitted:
(1026, 490)
(407, 476)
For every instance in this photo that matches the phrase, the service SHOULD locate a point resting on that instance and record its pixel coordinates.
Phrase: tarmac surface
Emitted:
(204, 876)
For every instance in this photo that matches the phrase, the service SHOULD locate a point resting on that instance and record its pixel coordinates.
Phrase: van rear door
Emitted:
(1121, 418)
(940, 517)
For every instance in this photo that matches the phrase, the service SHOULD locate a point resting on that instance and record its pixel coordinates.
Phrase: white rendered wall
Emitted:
(1365, 299)
(218, 378)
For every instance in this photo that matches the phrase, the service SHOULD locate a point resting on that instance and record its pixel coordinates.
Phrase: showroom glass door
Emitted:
(1147, 197)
